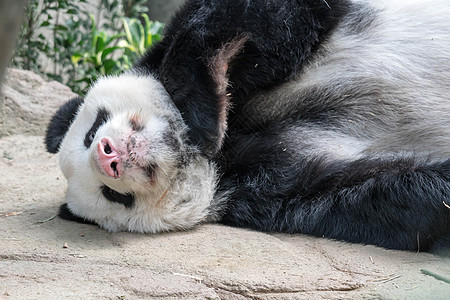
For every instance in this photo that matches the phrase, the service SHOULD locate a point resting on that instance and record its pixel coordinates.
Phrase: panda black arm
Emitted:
(281, 37)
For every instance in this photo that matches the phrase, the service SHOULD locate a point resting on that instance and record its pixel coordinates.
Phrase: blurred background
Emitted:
(76, 41)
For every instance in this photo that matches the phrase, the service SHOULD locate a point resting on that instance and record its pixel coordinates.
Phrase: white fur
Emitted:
(401, 56)
(189, 189)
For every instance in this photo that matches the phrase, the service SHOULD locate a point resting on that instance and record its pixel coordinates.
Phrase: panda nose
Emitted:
(109, 158)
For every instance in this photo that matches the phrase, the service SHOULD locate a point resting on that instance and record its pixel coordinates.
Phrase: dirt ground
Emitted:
(44, 257)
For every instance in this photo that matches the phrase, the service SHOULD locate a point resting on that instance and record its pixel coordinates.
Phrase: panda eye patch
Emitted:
(102, 118)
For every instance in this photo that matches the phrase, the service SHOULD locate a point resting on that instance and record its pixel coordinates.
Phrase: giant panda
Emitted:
(329, 118)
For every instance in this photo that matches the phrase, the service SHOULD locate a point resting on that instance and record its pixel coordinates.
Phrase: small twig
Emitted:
(46, 220)
(11, 214)
(384, 280)
(390, 279)
(77, 255)
(437, 276)
(188, 276)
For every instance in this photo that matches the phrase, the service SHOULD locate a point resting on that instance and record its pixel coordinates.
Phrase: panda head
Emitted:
(124, 153)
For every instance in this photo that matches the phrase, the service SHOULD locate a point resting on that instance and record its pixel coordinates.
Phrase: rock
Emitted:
(11, 15)
(29, 102)
(163, 10)
(210, 262)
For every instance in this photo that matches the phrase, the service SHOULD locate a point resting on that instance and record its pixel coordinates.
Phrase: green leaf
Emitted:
(156, 28)
(124, 44)
(72, 11)
(100, 42)
(109, 66)
(109, 51)
(60, 27)
(75, 58)
(126, 27)
(141, 38)
(113, 38)
(93, 31)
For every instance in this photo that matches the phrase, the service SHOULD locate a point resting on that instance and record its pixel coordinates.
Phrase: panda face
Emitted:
(125, 159)
(125, 138)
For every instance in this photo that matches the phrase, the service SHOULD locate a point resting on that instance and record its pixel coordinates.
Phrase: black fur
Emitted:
(392, 202)
(125, 199)
(102, 117)
(396, 202)
(66, 213)
(60, 123)
(274, 53)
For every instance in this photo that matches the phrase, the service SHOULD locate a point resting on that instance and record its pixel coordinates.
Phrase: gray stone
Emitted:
(11, 15)
(44, 257)
(162, 10)
(29, 102)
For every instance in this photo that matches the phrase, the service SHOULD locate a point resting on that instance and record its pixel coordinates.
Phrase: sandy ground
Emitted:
(44, 257)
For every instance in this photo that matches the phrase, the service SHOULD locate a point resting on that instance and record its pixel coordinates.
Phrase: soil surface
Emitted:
(45, 257)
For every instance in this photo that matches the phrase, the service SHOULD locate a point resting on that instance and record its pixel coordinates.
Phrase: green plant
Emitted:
(67, 38)
(60, 21)
(27, 45)
(32, 44)
(110, 12)
(114, 54)
(74, 46)
(98, 59)
(139, 36)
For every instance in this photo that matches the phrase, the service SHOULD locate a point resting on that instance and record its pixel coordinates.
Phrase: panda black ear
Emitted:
(199, 87)
(60, 123)
(219, 65)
